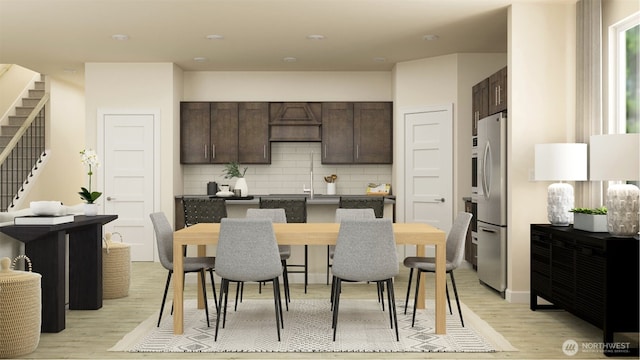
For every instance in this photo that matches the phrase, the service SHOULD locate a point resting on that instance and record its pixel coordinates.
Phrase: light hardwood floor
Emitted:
(537, 335)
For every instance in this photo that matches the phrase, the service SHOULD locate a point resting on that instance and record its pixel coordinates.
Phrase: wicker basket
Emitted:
(20, 309)
(116, 268)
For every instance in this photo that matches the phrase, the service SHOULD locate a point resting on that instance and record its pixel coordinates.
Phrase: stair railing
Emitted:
(22, 155)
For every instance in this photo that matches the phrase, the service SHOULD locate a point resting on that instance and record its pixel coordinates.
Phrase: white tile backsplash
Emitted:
(288, 172)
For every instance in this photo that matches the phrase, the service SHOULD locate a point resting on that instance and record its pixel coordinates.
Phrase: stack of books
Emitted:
(43, 220)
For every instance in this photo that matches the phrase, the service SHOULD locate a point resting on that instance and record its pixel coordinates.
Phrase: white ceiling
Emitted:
(56, 37)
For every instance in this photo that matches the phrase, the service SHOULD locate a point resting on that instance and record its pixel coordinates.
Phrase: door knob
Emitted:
(441, 199)
(109, 198)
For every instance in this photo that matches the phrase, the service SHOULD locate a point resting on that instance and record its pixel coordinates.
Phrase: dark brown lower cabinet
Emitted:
(592, 275)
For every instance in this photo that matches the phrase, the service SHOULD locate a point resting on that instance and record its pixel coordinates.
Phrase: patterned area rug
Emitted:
(362, 327)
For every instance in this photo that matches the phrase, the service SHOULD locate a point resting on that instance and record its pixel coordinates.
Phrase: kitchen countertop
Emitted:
(318, 199)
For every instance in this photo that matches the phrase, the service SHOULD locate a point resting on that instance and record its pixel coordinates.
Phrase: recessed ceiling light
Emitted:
(215, 37)
(315, 37)
(120, 37)
(430, 37)
(289, 59)
(379, 59)
(199, 59)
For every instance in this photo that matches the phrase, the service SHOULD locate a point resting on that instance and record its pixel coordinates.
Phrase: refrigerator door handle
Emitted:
(489, 231)
(486, 175)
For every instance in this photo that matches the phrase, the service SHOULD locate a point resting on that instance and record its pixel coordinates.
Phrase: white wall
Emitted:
(13, 82)
(287, 86)
(147, 86)
(435, 81)
(541, 82)
(63, 173)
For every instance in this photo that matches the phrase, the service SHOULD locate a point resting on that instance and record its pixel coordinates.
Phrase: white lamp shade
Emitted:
(561, 162)
(614, 157)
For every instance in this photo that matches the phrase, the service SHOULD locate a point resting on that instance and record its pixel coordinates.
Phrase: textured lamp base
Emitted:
(622, 210)
(559, 202)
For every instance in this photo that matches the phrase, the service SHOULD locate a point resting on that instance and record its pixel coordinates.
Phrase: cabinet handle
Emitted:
(499, 94)
(325, 151)
(213, 151)
(264, 151)
(206, 153)
(357, 151)
(495, 101)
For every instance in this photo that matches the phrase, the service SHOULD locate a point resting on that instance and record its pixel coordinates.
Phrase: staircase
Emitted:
(22, 145)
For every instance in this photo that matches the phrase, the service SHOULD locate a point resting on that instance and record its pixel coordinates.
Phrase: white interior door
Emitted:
(129, 141)
(429, 166)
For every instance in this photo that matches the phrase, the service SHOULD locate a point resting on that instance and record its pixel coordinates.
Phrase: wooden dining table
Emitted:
(417, 234)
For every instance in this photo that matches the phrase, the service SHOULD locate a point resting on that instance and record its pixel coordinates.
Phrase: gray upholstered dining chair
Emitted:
(247, 251)
(455, 254)
(340, 215)
(365, 251)
(375, 203)
(295, 208)
(276, 216)
(164, 240)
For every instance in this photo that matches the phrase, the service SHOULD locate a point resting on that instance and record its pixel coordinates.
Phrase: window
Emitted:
(625, 99)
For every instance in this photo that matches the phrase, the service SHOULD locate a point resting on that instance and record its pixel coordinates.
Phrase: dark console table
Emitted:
(45, 246)
(592, 275)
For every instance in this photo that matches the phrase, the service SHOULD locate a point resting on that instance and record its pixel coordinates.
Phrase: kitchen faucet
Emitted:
(310, 189)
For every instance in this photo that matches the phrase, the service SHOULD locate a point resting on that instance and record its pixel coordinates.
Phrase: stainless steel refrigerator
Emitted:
(492, 201)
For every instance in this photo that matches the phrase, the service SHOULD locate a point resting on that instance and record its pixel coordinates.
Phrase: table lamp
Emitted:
(616, 157)
(560, 162)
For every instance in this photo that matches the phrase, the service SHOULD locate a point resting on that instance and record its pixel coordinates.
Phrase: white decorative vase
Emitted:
(91, 209)
(331, 188)
(559, 202)
(622, 210)
(241, 184)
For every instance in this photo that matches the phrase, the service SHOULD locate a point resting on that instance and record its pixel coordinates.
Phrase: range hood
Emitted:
(295, 121)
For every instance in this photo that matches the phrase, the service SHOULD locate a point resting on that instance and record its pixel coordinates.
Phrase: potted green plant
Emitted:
(232, 170)
(590, 219)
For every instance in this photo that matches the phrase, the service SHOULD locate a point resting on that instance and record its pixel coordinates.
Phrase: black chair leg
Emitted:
(204, 296)
(446, 289)
(406, 300)
(224, 287)
(164, 297)
(336, 305)
(333, 290)
(455, 293)
(239, 286)
(415, 298)
(328, 264)
(213, 285)
(277, 301)
(306, 267)
(392, 300)
(285, 280)
(381, 284)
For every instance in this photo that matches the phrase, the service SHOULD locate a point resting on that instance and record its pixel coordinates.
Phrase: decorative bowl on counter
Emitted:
(46, 208)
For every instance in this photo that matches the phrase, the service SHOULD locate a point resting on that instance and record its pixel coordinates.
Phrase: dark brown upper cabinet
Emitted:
(498, 91)
(480, 103)
(357, 133)
(221, 132)
(253, 133)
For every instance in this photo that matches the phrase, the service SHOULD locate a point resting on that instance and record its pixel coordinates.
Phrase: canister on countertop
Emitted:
(212, 188)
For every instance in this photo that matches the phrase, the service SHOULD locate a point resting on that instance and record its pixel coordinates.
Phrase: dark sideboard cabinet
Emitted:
(592, 275)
